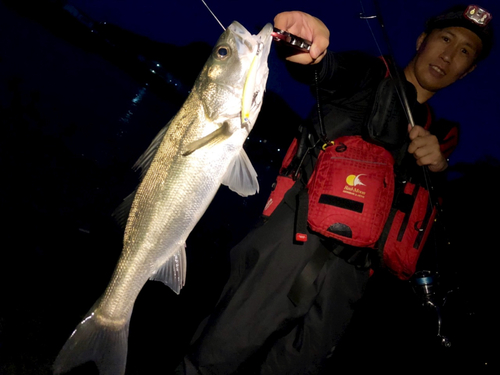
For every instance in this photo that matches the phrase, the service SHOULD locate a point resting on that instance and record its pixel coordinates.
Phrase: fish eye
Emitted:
(222, 52)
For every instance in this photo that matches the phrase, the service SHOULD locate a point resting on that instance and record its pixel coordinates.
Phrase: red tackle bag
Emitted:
(351, 191)
(406, 230)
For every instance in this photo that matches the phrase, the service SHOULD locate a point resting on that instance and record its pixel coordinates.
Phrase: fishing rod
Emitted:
(396, 76)
(394, 72)
(422, 281)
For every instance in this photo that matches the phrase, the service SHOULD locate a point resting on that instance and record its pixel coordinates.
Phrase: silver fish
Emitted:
(199, 149)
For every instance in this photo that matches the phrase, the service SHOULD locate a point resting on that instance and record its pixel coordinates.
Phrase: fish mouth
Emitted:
(248, 40)
(266, 33)
(256, 48)
(265, 37)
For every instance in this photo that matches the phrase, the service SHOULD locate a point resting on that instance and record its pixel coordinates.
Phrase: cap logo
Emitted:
(477, 15)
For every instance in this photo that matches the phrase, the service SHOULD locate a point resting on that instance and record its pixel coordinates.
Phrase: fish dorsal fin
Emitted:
(241, 176)
(144, 162)
(120, 214)
(173, 272)
(213, 138)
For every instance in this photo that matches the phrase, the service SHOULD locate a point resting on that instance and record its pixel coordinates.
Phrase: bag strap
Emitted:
(303, 285)
(301, 215)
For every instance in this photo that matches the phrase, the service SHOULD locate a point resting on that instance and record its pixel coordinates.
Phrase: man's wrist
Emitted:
(439, 167)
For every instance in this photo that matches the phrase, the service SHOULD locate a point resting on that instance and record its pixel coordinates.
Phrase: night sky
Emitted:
(181, 22)
(79, 105)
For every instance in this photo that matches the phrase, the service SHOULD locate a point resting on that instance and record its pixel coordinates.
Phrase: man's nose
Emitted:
(447, 54)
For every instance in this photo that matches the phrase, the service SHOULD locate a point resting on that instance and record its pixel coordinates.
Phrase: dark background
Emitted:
(79, 104)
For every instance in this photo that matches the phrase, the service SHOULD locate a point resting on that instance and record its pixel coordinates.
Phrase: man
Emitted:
(257, 327)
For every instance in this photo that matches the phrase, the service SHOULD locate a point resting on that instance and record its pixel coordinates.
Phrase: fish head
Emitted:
(233, 80)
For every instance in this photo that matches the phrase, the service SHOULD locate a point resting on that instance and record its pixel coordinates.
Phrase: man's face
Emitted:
(444, 56)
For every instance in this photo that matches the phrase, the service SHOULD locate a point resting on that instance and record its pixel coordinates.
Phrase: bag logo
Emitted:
(353, 180)
(351, 189)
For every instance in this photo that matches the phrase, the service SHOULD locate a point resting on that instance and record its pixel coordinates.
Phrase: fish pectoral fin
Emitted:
(241, 176)
(173, 272)
(213, 138)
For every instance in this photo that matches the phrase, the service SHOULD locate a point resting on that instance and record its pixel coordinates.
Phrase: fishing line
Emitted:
(210, 10)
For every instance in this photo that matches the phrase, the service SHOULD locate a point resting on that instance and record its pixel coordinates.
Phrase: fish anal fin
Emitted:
(213, 138)
(241, 176)
(173, 272)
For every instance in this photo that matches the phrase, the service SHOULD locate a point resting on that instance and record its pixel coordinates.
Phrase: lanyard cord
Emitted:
(301, 155)
(322, 129)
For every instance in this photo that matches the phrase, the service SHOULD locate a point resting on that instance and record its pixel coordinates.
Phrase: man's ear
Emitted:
(470, 70)
(420, 40)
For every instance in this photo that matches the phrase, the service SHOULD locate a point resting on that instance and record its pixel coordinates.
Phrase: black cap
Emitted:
(472, 17)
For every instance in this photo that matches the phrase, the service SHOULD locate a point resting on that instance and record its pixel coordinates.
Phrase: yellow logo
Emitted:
(351, 189)
(353, 180)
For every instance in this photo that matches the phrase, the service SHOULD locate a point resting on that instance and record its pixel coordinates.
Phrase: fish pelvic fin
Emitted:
(241, 176)
(173, 272)
(91, 341)
(213, 138)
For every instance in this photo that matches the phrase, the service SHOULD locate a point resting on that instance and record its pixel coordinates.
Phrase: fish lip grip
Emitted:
(291, 40)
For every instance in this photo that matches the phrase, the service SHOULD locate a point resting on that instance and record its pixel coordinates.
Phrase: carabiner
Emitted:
(331, 143)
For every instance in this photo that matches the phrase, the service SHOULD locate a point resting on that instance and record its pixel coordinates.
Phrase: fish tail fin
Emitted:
(91, 341)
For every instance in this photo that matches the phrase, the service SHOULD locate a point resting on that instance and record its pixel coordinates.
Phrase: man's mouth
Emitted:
(438, 70)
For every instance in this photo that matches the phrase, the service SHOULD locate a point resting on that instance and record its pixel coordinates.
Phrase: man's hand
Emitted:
(308, 27)
(425, 148)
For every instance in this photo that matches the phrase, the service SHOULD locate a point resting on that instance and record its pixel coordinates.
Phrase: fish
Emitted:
(199, 149)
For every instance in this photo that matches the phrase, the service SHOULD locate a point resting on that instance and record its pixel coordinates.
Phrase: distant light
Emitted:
(138, 97)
